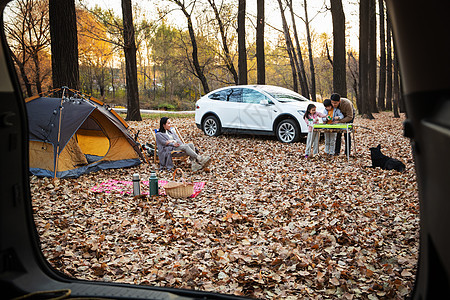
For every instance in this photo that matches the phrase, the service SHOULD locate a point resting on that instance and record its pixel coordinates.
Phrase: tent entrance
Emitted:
(93, 141)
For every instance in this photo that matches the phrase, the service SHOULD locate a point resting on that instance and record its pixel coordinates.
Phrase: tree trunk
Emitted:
(353, 69)
(91, 80)
(372, 78)
(27, 32)
(364, 58)
(23, 74)
(228, 60)
(301, 69)
(311, 59)
(144, 72)
(289, 48)
(133, 109)
(396, 88)
(101, 82)
(64, 43)
(198, 70)
(339, 53)
(294, 68)
(112, 82)
(260, 59)
(37, 74)
(242, 50)
(382, 79)
(242, 60)
(388, 65)
(196, 62)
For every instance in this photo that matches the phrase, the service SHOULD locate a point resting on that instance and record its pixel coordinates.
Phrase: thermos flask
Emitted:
(136, 185)
(153, 184)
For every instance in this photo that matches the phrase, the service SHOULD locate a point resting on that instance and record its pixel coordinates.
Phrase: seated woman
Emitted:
(167, 141)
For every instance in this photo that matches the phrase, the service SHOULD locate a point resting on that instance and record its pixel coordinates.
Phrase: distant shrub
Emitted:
(166, 106)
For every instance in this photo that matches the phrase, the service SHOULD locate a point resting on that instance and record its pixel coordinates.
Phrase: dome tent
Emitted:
(74, 134)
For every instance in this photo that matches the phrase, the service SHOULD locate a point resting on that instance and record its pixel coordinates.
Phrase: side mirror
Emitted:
(264, 102)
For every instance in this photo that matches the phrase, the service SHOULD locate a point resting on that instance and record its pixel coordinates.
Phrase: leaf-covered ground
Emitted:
(268, 224)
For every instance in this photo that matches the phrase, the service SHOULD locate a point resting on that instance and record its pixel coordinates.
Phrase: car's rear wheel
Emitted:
(211, 126)
(288, 131)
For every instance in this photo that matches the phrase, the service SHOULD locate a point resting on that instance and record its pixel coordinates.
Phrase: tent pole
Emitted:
(59, 132)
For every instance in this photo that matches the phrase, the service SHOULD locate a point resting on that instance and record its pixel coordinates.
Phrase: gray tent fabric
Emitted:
(44, 118)
(56, 121)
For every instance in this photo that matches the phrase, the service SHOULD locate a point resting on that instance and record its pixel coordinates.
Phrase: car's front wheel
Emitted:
(211, 126)
(288, 131)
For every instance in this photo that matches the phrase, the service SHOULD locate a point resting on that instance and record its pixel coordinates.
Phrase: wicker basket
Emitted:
(179, 189)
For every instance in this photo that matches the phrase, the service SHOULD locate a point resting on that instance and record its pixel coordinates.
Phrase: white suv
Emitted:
(254, 109)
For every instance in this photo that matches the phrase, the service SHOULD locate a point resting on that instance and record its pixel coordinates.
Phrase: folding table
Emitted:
(349, 127)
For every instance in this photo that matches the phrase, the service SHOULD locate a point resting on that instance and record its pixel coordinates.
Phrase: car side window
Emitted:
(252, 96)
(220, 95)
(234, 95)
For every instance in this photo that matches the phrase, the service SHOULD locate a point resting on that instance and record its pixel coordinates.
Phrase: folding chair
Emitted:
(177, 155)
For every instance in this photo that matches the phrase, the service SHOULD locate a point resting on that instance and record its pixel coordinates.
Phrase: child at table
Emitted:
(312, 117)
(333, 115)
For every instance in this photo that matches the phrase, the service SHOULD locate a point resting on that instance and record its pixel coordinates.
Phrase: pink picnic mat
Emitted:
(126, 187)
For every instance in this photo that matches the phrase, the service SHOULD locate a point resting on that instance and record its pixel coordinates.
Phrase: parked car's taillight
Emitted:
(197, 107)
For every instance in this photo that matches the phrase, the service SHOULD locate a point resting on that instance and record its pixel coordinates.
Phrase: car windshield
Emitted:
(282, 94)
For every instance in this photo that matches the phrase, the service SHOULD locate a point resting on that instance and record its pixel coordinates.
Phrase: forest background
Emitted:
(167, 54)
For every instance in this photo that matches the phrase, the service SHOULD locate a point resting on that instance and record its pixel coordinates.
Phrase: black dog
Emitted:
(385, 162)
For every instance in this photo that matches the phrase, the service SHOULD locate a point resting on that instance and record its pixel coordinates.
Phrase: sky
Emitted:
(319, 16)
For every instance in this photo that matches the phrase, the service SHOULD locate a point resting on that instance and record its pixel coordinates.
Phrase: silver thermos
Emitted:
(136, 185)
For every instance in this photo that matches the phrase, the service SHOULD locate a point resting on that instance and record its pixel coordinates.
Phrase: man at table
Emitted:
(347, 109)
